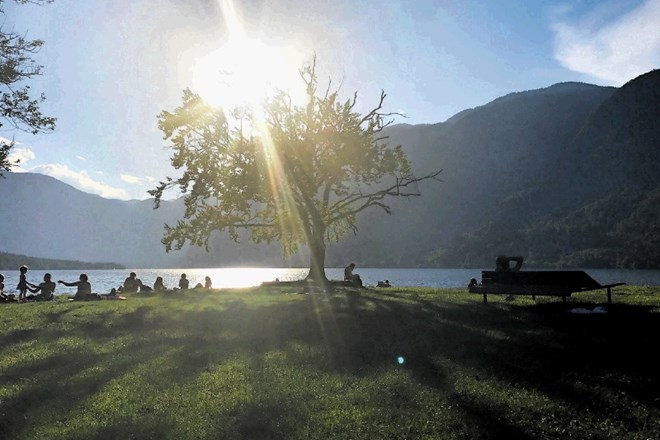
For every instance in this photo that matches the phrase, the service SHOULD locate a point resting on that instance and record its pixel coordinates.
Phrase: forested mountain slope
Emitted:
(566, 176)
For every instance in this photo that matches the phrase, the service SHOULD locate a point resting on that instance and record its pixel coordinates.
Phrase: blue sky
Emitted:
(111, 66)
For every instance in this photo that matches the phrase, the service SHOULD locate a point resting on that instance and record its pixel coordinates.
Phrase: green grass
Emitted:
(275, 364)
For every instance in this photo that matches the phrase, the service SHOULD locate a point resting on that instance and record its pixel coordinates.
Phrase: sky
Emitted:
(111, 66)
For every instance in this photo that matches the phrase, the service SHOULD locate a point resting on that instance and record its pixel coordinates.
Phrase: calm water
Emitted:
(104, 280)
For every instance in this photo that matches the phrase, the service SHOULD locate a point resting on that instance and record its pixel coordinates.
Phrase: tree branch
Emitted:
(364, 201)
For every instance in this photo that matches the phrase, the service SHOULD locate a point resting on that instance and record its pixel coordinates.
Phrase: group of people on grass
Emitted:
(39, 292)
(45, 290)
(134, 284)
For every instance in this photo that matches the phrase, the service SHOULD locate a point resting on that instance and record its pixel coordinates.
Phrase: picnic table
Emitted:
(561, 283)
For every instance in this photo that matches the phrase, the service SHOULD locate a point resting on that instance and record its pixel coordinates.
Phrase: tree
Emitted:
(302, 179)
(17, 107)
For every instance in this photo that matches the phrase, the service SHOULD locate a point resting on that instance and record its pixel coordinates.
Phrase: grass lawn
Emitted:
(371, 364)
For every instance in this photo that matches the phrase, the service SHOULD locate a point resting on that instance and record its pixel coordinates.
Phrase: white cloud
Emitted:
(80, 158)
(614, 52)
(81, 180)
(24, 155)
(134, 180)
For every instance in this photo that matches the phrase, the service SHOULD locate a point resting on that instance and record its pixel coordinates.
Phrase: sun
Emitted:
(245, 71)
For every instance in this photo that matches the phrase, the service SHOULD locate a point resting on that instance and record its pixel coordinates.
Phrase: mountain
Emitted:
(51, 219)
(565, 175)
(13, 261)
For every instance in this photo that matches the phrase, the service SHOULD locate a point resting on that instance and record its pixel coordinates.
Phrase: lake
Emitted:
(104, 280)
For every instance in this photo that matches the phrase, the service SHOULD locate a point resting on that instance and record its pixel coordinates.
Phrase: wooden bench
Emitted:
(543, 283)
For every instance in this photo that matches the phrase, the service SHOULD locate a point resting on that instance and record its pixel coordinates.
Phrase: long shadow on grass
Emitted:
(59, 385)
(590, 364)
(353, 334)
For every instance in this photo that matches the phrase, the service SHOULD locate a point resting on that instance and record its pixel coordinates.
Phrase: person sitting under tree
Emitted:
(352, 277)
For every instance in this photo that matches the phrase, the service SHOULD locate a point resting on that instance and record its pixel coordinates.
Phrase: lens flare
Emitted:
(401, 360)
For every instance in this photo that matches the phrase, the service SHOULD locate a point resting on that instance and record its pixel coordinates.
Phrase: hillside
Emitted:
(547, 174)
(13, 262)
(53, 220)
(565, 175)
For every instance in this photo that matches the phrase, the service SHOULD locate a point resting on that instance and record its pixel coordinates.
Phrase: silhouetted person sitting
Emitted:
(84, 291)
(350, 276)
(503, 264)
(158, 285)
(132, 283)
(183, 282)
(5, 297)
(46, 288)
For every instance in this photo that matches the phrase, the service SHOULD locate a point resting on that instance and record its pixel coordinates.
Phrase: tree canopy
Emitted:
(17, 107)
(301, 175)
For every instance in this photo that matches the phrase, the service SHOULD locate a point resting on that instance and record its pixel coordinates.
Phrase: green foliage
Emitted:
(300, 177)
(369, 364)
(17, 107)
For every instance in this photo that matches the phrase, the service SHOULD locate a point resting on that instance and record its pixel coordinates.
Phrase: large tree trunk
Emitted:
(317, 260)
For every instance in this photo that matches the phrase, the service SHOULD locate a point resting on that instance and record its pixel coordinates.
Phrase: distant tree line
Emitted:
(14, 261)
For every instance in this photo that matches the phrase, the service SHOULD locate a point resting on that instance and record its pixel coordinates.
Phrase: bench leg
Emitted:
(609, 295)
(485, 299)
(563, 298)
(534, 297)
